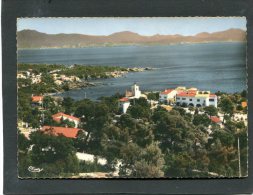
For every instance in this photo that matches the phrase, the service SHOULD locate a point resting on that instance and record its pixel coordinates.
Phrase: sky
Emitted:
(142, 26)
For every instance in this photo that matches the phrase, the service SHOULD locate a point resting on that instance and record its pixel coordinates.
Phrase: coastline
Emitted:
(66, 78)
(127, 45)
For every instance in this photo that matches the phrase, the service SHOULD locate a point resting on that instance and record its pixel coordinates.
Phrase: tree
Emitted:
(112, 141)
(159, 114)
(126, 121)
(97, 116)
(137, 162)
(47, 78)
(173, 133)
(244, 94)
(141, 102)
(48, 148)
(24, 161)
(137, 111)
(239, 107)
(196, 112)
(201, 119)
(54, 154)
(211, 110)
(68, 104)
(222, 158)
(143, 134)
(112, 102)
(48, 102)
(153, 96)
(191, 108)
(24, 82)
(23, 142)
(226, 106)
(151, 163)
(179, 165)
(81, 141)
(180, 110)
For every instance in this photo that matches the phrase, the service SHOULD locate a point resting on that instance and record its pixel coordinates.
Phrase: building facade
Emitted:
(188, 97)
(124, 103)
(168, 96)
(196, 98)
(62, 116)
(135, 93)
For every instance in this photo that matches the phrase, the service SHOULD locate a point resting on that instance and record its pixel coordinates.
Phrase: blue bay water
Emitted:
(209, 66)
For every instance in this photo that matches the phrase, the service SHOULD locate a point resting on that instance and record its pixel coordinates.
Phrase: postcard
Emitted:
(147, 97)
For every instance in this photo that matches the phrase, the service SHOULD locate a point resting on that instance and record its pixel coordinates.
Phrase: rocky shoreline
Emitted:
(115, 74)
(82, 84)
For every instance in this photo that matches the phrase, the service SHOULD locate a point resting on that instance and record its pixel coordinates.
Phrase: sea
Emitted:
(206, 66)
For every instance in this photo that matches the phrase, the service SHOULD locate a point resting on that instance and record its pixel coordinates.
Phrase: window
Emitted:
(198, 100)
(211, 100)
(183, 98)
(178, 98)
(190, 99)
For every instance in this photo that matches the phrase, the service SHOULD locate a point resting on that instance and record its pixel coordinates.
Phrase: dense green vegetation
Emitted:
(47, 84)
(40, 68)
(148, 144)
(81, 71)
(145, 142)
(87, 72)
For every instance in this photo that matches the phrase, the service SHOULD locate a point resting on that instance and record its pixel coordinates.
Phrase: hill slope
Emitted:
(34, 39)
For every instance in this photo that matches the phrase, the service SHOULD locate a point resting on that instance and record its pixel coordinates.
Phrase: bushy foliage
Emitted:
(144, 142)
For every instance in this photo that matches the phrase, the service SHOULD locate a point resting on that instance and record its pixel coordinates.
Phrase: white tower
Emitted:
(136, 91)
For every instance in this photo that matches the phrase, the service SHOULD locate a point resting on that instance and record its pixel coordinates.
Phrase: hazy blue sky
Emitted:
(143, 26)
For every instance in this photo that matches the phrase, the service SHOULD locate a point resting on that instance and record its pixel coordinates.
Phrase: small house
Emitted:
(62, 116)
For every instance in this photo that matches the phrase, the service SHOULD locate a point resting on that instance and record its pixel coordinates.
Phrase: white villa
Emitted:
(168, 96)
(179, 96)
(124, 103)
(62, 116)
(135, 93)
(189, 97)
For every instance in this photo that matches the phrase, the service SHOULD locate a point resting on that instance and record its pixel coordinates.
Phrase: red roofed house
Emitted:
(56, 131)
(124, 103)
(59, 116)
(215, 119)
(37, 100)
(168, 96)
(196, 98)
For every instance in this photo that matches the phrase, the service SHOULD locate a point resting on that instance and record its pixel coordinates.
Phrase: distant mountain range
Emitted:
(34, 39)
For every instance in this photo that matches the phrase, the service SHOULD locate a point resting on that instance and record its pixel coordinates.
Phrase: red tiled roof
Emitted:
(244, 104)
(37, 98)
(58, 116)
(215, 119)
(212, 95)
(124, 99)
(187, 94)
(167, 91)
(192, 90)
(67, 132)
